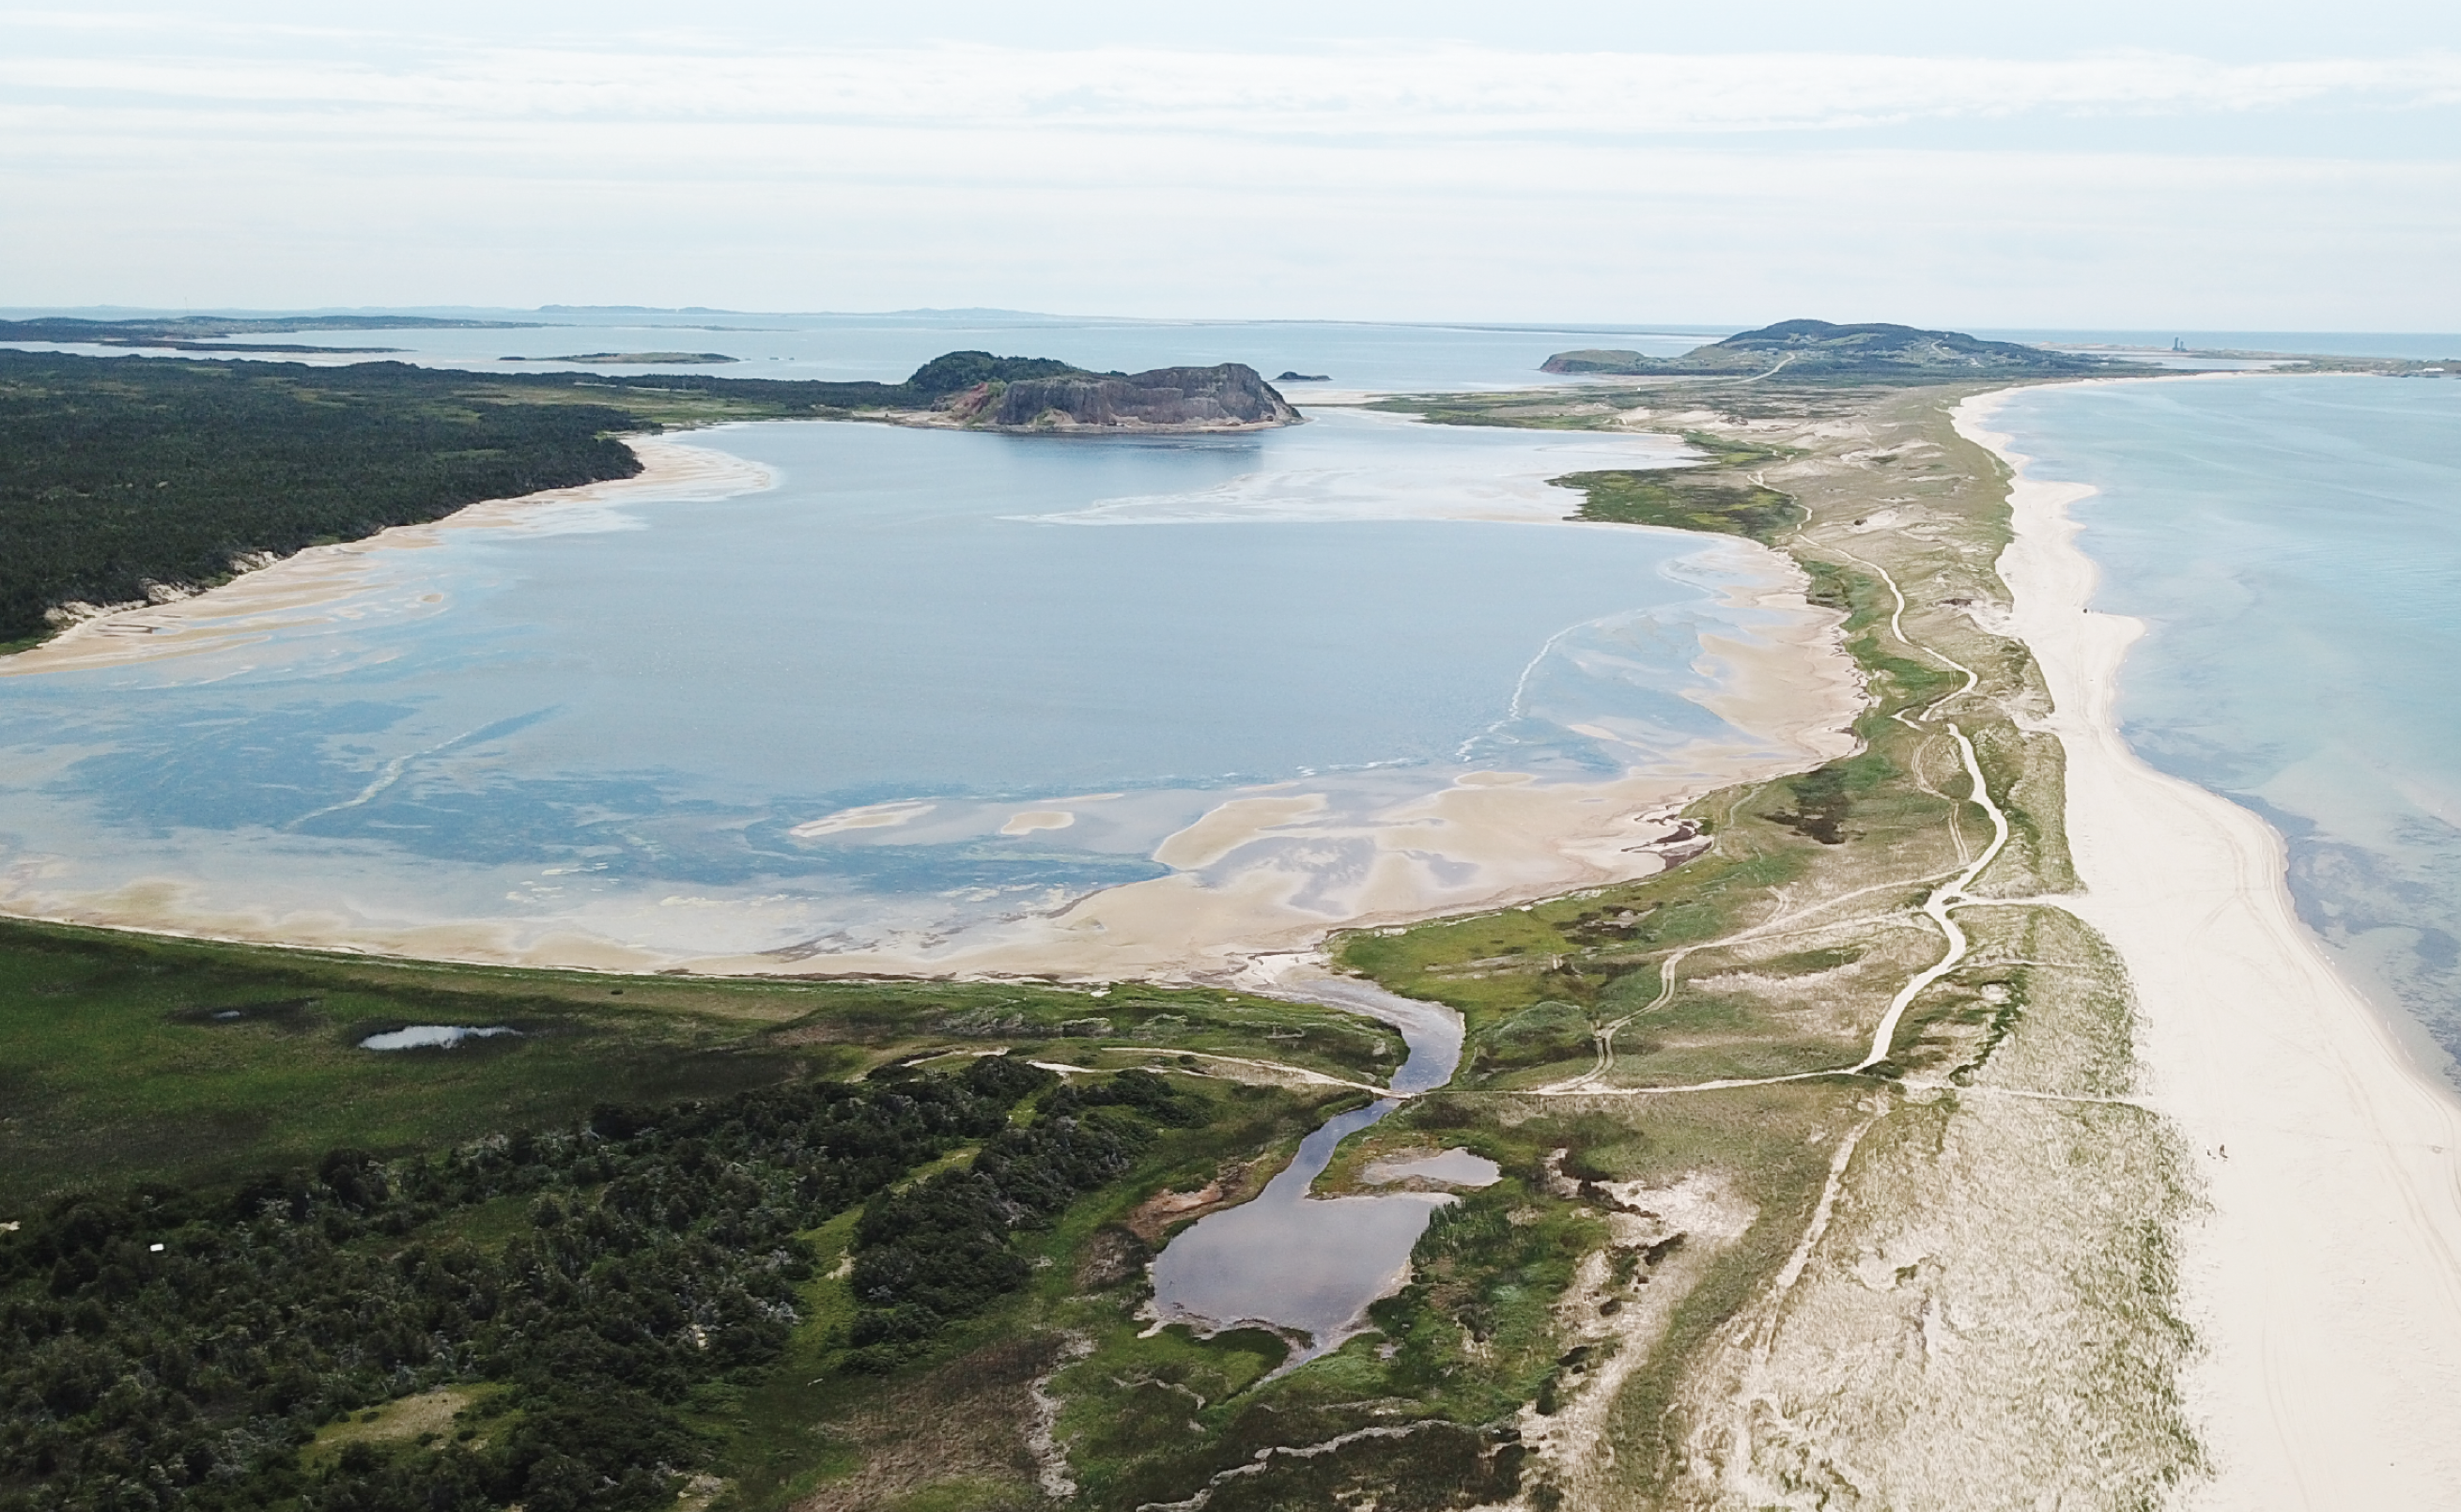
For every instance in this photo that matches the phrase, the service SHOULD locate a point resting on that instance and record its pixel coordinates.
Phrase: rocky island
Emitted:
(1812, 349)
(1228, 396)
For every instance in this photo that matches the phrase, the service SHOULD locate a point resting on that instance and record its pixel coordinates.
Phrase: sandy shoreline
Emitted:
(308, 585)
(2325, 1280)
(1262, 872)
(1486, 840)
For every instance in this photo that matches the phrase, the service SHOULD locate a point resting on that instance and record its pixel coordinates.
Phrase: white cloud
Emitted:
(1416, 92)
(182, 163)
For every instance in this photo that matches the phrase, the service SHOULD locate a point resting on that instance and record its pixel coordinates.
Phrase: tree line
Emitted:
(119, 473)
(163, 1349)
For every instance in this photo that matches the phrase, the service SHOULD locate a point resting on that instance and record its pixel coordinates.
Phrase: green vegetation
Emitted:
(939, 1249)
(190, 1346)
(1816, 351)
(138, 1057)
(1668, 498)
(572, 1266)
(120, 476)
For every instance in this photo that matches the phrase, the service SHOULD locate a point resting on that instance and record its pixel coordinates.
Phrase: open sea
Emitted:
(2293, 545)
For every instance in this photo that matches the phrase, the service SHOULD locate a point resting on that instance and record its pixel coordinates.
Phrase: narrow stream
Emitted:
(1311, 1264)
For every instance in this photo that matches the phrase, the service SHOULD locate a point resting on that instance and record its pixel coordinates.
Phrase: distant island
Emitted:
(1287, 376)
(1816, 350)
(636, 359)
(210, 332)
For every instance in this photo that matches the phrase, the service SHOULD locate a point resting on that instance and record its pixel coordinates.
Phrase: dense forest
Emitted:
(161, 1348)
(121, 474)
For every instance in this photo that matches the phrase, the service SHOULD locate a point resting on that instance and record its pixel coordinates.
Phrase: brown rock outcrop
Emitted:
(1230, 397)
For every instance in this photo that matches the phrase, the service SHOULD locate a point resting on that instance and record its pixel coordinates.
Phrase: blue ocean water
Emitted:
(2295, 545)
(649, 723)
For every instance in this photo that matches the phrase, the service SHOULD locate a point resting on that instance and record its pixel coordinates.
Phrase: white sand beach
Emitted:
(2324, 1279)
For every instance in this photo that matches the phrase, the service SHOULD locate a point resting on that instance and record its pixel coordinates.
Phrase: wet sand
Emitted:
(2324, 1281)
(1263, 871)
(1269, 872)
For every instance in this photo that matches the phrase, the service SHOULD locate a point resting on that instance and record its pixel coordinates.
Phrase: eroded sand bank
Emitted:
(2325, 1282)
(323, 582)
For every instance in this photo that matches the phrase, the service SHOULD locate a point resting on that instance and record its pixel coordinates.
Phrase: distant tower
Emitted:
(2178, 343)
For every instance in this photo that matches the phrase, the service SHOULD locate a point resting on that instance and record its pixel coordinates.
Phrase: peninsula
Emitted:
(1856, 1143)
(106, 502)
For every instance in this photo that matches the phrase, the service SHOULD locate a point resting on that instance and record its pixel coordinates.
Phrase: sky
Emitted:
(2085, 164)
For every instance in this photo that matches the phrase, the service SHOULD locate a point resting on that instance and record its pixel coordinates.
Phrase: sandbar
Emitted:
(2323, 1280)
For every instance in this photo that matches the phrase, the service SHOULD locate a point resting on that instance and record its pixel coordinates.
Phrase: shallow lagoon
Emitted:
(647, 723)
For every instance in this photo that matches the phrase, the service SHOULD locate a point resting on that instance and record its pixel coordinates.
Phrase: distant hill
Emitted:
(1816, 348)
(123, 480)
(1228, 397)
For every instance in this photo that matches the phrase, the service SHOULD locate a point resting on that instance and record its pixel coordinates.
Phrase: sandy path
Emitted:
(2325, 1281)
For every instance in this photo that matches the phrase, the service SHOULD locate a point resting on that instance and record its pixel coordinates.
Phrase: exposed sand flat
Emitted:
(1267, 874)
(1260, 871)
(322, 581)
(2325, 1281)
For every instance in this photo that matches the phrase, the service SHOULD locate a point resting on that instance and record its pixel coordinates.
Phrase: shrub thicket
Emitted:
(162, 1350)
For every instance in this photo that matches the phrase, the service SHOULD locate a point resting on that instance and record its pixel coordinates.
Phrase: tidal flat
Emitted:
(854, 697)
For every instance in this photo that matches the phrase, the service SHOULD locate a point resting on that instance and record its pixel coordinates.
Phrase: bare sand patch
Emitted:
(1041, 818)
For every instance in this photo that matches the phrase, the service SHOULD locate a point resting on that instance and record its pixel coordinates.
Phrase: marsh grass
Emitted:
(119, 1068)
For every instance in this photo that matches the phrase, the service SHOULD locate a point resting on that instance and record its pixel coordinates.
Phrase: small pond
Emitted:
(1311, 1264)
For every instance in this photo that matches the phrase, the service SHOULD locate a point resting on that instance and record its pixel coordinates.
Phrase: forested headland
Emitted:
(124, 476)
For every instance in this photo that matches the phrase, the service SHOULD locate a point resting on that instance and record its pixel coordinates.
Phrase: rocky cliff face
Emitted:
(1230, 397)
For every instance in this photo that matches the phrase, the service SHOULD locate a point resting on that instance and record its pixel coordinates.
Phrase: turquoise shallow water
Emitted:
(2294, 547)
(625, 720)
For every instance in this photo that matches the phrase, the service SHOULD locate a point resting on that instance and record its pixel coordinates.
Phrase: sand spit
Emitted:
(324, 583)
(2325, 1280)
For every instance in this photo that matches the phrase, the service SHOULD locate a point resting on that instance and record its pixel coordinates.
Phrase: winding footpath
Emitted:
(1937, 907)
